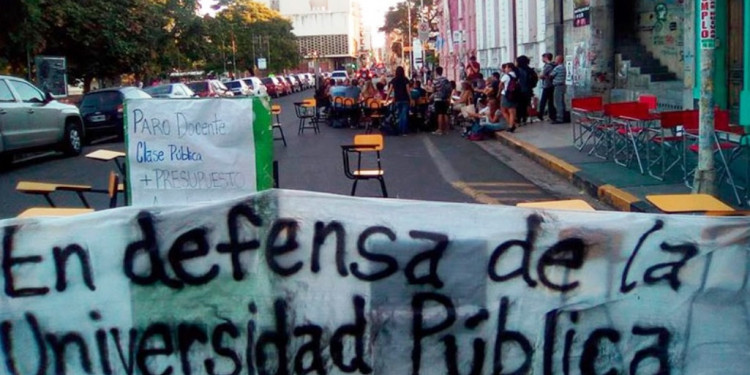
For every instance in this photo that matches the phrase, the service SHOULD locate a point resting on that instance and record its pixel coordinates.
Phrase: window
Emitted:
(5, 94)
(27, 92)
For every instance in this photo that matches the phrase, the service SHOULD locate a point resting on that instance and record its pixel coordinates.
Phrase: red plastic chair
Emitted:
(725, 148)
(664, 150)
(586, 114)
(650, 100)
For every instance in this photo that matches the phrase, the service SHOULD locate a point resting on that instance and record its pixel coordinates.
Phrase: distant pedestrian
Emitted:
(548, 89)
(509, 92)
(527, 79)
(472, 71)
(441, 95)
(558, 81)
(399, 89)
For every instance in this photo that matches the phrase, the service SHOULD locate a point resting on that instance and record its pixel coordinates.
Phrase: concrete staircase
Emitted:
(632, 51)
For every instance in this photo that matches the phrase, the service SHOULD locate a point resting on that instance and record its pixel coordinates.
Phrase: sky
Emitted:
(373, 15)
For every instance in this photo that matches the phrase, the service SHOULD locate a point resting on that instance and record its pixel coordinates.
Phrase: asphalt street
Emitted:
(418, 166)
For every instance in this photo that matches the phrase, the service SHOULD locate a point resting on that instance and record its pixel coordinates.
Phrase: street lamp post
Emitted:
(411, 52)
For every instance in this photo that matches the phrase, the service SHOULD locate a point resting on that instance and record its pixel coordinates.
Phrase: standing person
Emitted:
(441, 95)
(472, 70)
(528, 79)
(399, 89)
(509, 83)
(558, 81)
(548, 90)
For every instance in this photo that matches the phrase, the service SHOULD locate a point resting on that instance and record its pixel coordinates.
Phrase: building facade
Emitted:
(458, 26)
(328, 31)
(617, 49)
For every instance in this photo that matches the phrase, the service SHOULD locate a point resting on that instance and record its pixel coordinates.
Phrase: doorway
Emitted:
(735, 58)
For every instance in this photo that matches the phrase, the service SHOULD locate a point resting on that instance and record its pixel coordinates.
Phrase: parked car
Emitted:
(286, 88)
(239, 87)
(210, 88)
(256, 85)
(294, 83)
(171, 90)
(103, 110)
(271, 87)
(31, 119)
(363, 74)
(339, 75)
(311, 77)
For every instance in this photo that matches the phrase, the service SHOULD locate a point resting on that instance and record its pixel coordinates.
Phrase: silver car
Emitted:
(239, 87)
(170, 90)
(31, 119)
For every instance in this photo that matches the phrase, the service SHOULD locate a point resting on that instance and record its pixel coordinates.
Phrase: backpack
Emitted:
(445, 89)
(513, 91)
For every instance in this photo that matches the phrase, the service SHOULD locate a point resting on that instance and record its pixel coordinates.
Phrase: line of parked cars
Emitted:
(32, 120)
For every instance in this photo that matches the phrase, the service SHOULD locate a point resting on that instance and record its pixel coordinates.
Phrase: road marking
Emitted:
(482, 192)
(476, 195)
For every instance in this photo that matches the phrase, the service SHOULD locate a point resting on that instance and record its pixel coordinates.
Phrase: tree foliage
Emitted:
(397, 19)
(147, 38)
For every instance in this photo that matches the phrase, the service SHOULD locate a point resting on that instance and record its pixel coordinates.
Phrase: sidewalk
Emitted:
(623, 188)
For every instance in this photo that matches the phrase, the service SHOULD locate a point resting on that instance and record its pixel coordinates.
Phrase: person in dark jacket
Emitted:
(527, 78)
(548, 90)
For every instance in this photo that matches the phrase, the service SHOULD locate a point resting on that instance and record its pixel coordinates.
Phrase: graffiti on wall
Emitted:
(581, 66)
(661, 29)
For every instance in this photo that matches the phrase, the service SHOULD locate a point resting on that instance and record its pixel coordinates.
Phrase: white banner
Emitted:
(183, 151)
(287, 282)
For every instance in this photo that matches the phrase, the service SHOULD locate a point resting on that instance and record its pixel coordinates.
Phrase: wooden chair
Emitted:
(376, 116)
(364, 144)
(113, 188)
(45, 189)
(276, 111)
(306, 116)
(564, 204)
(688, 203)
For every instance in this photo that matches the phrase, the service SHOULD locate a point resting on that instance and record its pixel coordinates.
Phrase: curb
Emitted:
(612, 195)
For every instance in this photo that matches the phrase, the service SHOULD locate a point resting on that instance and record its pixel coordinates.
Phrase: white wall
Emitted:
(495, 32)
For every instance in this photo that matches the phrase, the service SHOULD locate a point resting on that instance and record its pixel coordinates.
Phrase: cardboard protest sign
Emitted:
(190, 151)
(286, 282)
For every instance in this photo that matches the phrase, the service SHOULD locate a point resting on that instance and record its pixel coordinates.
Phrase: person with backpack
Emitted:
(441, 96)
(510, 92)
(548, 90)
(528, 79)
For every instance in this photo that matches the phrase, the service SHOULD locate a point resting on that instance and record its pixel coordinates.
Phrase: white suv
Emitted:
(257, 87)
(339, 75)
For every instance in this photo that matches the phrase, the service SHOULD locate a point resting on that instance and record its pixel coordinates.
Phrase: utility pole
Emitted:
(423, 72)
(411, 51)
(704, 180)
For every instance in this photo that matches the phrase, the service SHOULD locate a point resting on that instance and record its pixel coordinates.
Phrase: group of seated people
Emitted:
(475, 106)
(478, 105)
(346, 101)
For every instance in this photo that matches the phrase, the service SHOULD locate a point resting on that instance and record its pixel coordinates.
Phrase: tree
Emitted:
(397, 19)
(246, 30)
(21, 34)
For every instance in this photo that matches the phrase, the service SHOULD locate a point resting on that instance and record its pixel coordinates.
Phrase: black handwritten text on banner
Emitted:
(300, 283)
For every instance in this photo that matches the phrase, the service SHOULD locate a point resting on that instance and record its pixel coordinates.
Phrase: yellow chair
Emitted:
(276, 111)
(565, 204)
(113, 187)
(364, 144)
